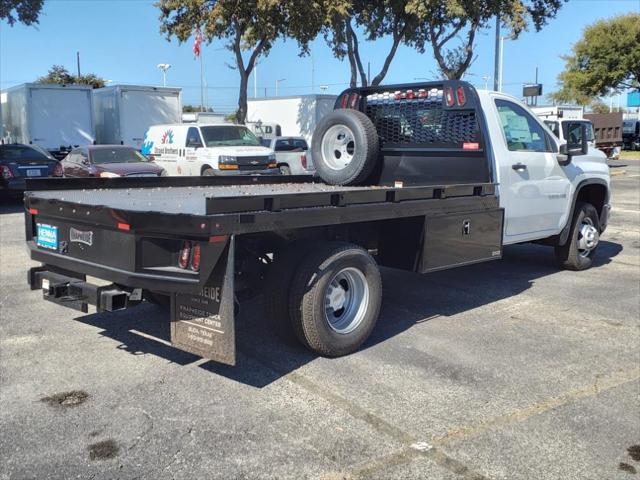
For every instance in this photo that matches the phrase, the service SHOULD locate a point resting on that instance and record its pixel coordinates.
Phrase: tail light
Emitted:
(57, 170)
(353, 102)
(460, 96)
(195, 257)
(344, 100)
(6, 172)
(448, 97)
(303, 161)
(185, 255)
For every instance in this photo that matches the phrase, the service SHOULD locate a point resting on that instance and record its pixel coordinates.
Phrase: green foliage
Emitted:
(61, 76)
(606, 58)
(194, 109)
(246, 27)
(376, 19)
(23, 11)
(450, 27)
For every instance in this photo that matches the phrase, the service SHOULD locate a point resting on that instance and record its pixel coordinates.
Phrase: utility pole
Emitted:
(255, 80)
(78, 62)
(313, 73)
(278, 83)
(496, 69)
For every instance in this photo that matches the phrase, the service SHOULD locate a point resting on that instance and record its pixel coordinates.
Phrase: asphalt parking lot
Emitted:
(506, 370)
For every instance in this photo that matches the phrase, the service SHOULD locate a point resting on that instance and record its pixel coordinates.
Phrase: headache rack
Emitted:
(430, 133)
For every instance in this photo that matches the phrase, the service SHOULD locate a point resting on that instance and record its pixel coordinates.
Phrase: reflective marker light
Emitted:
(195, 258)
(303, 161)
(185, 254)
(448, 97)
(460, 96)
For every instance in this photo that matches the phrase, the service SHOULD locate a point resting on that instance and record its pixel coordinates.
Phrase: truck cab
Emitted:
(539, 185)
(208, 150)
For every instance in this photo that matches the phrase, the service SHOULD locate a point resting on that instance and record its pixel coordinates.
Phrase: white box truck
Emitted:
(55, 117)
(296, 115)
(123, 113)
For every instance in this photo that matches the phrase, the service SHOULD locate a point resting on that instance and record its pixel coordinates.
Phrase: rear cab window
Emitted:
(291, 145)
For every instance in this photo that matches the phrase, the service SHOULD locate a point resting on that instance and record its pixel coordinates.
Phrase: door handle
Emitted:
(519, 167)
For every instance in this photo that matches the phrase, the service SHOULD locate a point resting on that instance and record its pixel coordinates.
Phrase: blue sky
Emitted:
(120, 41)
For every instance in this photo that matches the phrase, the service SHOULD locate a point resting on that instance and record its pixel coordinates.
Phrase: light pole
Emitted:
(324, 88)
(278, 83)
(164, 67)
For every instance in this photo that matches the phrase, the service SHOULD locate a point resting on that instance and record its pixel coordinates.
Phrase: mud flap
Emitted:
(204, 323)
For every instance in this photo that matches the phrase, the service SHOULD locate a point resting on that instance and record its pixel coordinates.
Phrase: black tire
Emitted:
(569, 256)
(307, 301)
(285, 170)
(160, 299)
(277, 287)
(208, 172)
(365, 148)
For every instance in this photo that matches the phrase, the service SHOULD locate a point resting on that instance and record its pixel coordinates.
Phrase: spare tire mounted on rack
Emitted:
(345, 147)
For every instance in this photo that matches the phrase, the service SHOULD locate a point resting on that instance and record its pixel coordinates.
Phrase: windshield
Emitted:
(228, 135)
(116, 155)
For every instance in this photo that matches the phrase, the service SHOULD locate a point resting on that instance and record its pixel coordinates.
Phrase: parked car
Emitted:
(19, 162)
(631, 134)
(208, 150)
(291, 155)
(109, 161)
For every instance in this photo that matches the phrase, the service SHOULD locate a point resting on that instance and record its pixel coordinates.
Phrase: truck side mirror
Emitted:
(577, 143)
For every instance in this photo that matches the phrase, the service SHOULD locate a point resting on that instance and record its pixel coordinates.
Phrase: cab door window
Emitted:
(193, 138)
(521, 131)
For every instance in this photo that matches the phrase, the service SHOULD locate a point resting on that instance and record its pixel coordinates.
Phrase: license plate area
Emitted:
(47, 236)
(34, 172)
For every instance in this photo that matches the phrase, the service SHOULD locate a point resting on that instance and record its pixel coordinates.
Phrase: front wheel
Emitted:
(335, 299)
(577, 253)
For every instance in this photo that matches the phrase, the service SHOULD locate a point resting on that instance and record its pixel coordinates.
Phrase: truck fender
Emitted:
(564, 234)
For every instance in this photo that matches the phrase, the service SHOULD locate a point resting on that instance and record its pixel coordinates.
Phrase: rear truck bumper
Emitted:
(202, 322)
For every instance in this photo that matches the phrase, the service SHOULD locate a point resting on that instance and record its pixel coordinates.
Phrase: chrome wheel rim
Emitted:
(588, 237)
(338, 147)
(345, 299)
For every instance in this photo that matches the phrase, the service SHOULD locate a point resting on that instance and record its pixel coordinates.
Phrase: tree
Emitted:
(451, 27)
(61, 76)
(376, 19)
(23, 11)
(249, 28)
(194, 109)
(606, 58)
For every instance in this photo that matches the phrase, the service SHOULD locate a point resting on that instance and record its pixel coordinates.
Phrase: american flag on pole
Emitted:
(196, 43)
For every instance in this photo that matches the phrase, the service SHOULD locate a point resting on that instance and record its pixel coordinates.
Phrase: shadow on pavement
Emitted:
(11, 205)
(262, 357)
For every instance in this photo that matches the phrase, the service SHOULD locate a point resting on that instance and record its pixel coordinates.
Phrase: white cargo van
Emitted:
(123, 113)
(208, 149)
(54, 117)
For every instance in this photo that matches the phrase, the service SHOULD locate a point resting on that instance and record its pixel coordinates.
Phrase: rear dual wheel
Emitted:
(333, 292)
